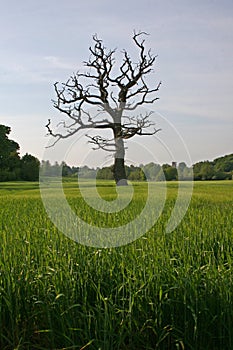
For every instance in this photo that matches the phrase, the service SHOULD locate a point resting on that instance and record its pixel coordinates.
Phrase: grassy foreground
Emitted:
(163, 291)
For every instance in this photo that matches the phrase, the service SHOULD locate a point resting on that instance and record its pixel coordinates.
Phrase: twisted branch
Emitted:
(97, 86)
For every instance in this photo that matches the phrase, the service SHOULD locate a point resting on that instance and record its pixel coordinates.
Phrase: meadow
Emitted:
(163, 291)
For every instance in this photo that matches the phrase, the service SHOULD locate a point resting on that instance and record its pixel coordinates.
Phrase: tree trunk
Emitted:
(119, 164)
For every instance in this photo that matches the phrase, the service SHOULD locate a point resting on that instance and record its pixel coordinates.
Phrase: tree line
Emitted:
(219, 169)
(26, 168)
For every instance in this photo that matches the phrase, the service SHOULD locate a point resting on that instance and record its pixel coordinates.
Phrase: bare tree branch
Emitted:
(102, 143)
(111, 93)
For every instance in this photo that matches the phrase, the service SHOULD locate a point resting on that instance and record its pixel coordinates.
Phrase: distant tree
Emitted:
(181, 169)
(87, 173)
(55, 168)
(105, 173)
(170, 172)
(207, 171)
(182, 166)
(220, 175)
(9, 156)
(66, 169)
(185, 173)
(29, 168)
(75, 170)
(46, 168)
(224, 164)
(136, 174)
(203, 170)
(151, 171)
(197, 171)
(114, 94)
(160, 176)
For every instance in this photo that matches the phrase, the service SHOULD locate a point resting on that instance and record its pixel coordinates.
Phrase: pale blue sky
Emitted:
(46, 41)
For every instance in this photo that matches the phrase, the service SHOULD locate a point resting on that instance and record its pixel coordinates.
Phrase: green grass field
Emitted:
(163, 291)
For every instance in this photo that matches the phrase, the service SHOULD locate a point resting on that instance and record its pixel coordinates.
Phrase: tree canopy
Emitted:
(12, 167)
(9, 156)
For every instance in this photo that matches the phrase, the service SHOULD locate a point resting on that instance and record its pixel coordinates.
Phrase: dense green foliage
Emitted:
(219, 169)
(29, 168)
(9, 157)
(164, 291)
(11, 166)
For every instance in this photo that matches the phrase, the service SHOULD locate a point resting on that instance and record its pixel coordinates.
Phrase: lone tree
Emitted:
(115, 95)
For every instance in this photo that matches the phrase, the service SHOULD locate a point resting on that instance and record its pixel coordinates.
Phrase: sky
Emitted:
(47, 41)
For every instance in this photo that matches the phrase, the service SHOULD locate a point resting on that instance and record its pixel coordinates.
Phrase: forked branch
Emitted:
(112, 95)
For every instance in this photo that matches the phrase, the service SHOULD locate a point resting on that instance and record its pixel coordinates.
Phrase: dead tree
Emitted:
(116, 98)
